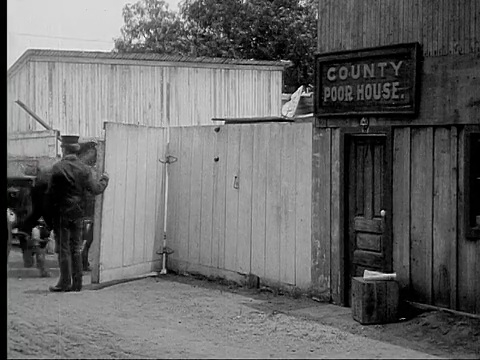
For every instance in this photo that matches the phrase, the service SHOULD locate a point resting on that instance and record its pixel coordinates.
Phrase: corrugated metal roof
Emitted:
(141, 57)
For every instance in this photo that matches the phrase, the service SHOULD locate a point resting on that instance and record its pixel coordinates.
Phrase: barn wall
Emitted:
(443, 27)
(77, 97)
(248, 211)
(17, 88)
(33, 144)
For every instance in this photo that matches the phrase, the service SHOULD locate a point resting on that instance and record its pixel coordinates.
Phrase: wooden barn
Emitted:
(396, 153)
(75, 91)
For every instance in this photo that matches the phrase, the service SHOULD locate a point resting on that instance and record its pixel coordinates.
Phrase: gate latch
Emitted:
(170, 159)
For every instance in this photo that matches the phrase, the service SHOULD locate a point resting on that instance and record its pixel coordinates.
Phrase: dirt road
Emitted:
(183, 317)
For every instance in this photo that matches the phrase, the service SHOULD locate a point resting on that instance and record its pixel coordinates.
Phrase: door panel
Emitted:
(368, 205)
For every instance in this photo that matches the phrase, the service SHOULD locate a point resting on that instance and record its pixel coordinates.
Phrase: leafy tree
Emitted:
(151, 27)
(244, 29)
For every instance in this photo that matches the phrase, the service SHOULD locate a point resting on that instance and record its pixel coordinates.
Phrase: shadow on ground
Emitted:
(438, 333)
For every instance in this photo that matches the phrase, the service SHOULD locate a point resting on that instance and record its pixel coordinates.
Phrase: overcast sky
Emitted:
(64, 24)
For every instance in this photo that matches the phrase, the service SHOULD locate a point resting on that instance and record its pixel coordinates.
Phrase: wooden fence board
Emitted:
(259, 186)
(286, 202)
(195, 204)
(231, 196)
(141, 195)
(116, 259)
(303, 205)
(219, 198)
(160, 176)
(128, 225)
(150, 187)
(173, 201)
(273, 215)
(206, 220)
(244, 234)
(183, 213)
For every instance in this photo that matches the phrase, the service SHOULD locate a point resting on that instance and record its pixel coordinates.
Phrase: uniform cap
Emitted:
(70, 139)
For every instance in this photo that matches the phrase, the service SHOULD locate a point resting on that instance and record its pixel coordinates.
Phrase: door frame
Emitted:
(346, 134)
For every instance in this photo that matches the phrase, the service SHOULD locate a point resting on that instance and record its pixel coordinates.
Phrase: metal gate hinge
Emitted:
(170, 159)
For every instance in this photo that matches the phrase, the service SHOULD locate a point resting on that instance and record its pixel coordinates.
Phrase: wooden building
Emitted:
(396, 154)
(75, 92)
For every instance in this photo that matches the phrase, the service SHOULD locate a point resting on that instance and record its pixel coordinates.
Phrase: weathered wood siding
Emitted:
(436, 263)
(76, 96)
(443, 27)
(32, 144)
(432, 257)
(239, 201)
(327, 207)
(132, 211)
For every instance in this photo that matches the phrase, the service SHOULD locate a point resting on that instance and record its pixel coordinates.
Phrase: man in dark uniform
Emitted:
(69, 184)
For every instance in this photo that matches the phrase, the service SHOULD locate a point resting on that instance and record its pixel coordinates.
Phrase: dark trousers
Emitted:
(88, 239)
(68, 243)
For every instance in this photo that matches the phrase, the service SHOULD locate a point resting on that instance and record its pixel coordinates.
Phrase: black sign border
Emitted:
(413, 49)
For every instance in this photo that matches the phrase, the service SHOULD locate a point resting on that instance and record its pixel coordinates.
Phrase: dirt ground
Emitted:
(175, 316)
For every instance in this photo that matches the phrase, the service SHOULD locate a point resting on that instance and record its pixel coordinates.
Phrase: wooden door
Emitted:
(368, 210)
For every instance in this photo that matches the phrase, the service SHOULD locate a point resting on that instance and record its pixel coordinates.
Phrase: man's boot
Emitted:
(77, 274)
(64, 283)
(77, 283)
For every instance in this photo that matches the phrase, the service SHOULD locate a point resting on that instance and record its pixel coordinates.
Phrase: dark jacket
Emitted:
(69, 185)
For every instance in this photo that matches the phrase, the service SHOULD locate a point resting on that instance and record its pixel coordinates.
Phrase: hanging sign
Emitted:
(378, 81)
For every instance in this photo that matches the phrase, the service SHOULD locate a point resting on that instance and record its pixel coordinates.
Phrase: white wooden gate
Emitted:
(133, 204)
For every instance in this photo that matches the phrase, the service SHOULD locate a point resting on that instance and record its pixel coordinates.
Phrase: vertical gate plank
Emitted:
(244, 235)
(273, 215)
(303, 204)
(231, 196)
(444, 219)
(286, 202)
(195, 203)
(150, 189)
(421, 214)
(131, 133)
(174, 148)
(157, 239)
(119, 199)
(206, 234)
(108, 208)
(141, 195)
(219, 198)
(183, 210)
(401, 206)
(98, 220)
(259, 178)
